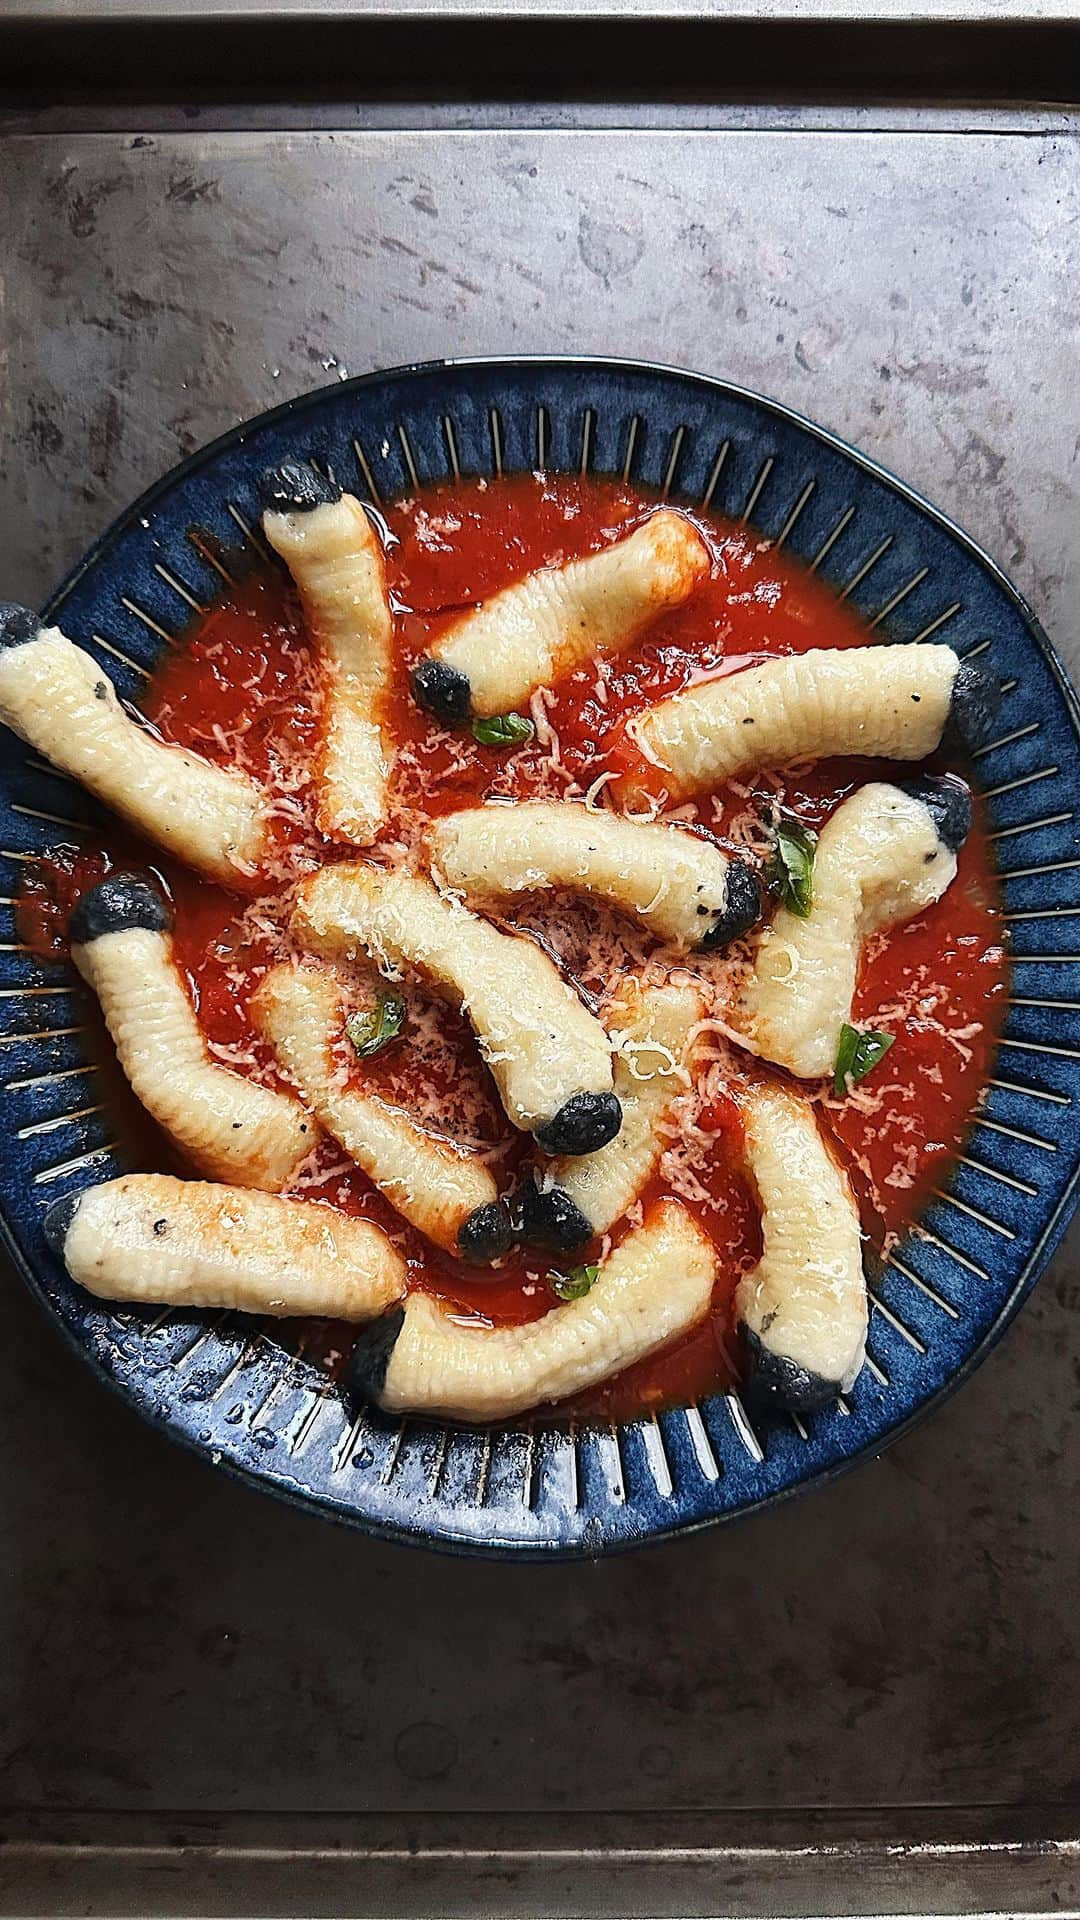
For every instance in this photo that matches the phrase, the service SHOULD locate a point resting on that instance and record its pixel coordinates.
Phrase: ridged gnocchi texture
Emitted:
(56, 697)
(881, 859)
(545, 1051)
(333, 553)
(183, 1243)
(543, 626)
(655, 1286)
(445, 1192)
(803, 1309)
(228, 1126)
(893, 702)
(572, 1200)
(674, 881)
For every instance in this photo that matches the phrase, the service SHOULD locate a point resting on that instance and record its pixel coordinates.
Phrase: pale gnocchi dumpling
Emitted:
(886, 855)
(447, 1193)
(228, 1126)
(654, 1286)
(681, 886)
(569, 1201)
(893, 702)
(803, 1308)
(549, 1057)
(57, 698)
(492, 658)
(333, 553)
(184, 1243)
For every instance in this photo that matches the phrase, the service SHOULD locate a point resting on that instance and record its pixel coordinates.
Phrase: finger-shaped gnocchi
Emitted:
(655, 1286)
(887, 853)
(550, 1058)
(184, 1243)
(448, 1194)
(573, 1200)
(57, 698)
(682, 886)
(802, 1310)
(551, 621)
(229, 1127)
(333, 553)
(897, 702)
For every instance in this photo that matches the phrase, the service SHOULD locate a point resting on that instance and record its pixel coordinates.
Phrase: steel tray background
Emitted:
(865, 1702)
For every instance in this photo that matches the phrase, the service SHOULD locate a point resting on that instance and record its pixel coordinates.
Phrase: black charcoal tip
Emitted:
(947, 800)
(486, 1234)
(548, 1217)
(976, 697)
(583, 1124)
(442, 691)
(58, 1221)
(17, 624)
(776, 1384)
(742, 909)
(296, 487)
(119, 904)
(366, 1375)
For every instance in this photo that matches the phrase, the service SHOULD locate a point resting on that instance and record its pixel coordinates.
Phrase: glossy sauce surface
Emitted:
(242, 687)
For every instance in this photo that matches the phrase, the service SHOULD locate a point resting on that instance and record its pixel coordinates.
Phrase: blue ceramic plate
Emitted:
(227, 1387)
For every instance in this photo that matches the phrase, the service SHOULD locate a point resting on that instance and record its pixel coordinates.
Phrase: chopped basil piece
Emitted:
(573, 1285)
(857, 1054)
(370, 1032)
(503, 730)
(790, 871)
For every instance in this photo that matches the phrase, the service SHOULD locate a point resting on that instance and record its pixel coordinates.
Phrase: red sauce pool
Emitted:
(243, 688)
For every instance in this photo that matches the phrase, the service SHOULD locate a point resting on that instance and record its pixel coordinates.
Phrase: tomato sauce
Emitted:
(242, 687)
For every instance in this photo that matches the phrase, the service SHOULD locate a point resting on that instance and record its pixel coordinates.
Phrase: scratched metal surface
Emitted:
(906, 1638)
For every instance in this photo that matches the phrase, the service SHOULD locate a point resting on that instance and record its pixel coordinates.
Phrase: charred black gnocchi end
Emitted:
(486, 1234)
(442, 691)
(583, 1124)
(774, 1383)
(365, 1376)
(947, 800)
(17, 624)
(296, 487)
(973, 708)
(741, 912)
(120, 904)
(550, 1217)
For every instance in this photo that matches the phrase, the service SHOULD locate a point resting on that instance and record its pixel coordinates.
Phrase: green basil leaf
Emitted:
(790, 872)
(857, 1054)
(503, 730)
(573, 1285)
(374, 1029)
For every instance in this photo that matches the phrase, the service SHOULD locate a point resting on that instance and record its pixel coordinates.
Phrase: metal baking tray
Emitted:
(862, 1703)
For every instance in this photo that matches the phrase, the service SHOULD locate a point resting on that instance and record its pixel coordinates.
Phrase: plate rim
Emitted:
(312, 1500)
